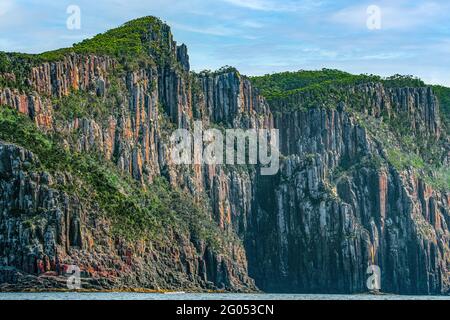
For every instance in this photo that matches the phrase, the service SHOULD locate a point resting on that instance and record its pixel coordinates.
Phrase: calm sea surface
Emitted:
(202, 296)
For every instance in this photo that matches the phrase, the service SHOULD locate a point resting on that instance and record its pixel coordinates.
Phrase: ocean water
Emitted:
(201, 296)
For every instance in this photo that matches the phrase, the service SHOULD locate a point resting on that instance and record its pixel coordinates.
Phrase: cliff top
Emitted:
(148, 38)
(279, 87)
(284, 84)
(147, 35)
(142, 41)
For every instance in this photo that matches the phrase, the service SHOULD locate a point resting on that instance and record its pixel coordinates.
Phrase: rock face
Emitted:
(75, 72)
(68, 232)
(37, 107)
(326, 232)
(315, 226)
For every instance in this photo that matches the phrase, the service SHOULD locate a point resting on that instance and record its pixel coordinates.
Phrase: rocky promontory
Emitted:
(86, 176)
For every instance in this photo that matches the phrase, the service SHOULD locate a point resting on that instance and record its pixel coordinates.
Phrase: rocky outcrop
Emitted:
(33, 105)
(418, 106)
(43, 231)
(183, 57)
(325, 231)
(227, 97)
(75, 72)
(316, 226)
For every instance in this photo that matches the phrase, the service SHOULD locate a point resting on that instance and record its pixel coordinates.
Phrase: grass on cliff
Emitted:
(136, 212)
(285, 84)
(405, 150)
(324, 86)
(82, 104)
(131, 39)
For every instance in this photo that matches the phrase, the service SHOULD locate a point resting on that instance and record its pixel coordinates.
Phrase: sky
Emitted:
(258, 36)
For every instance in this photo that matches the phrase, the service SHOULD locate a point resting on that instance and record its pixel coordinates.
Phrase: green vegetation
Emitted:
(407, 150)
(327, 87)
(136, 212)
(133, 39)
(147, 40)
(82, 104)
(78, 105)
(437, 175)
(440, 178)
(402, 81)
(18, 64)
(18, 129)
(402, 160)
(136, 38)
(282, 85)
(222, 70)
(286, 83)
(324, 88)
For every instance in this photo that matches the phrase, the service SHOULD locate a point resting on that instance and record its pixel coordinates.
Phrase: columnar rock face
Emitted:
(75, 72)
(315, 226)
(228, 97)
(183, 57)
(418, 105)
(37, 107)
(174, 94)
(327, 230)
(68, 232)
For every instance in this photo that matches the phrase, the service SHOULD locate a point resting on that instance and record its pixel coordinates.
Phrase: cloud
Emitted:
(252, 24)
(275, 6)
(214, 31)
(386, 56)
(262, 5)
(316, 53)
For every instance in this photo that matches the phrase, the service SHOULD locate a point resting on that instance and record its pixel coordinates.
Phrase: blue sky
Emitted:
(258, 36)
